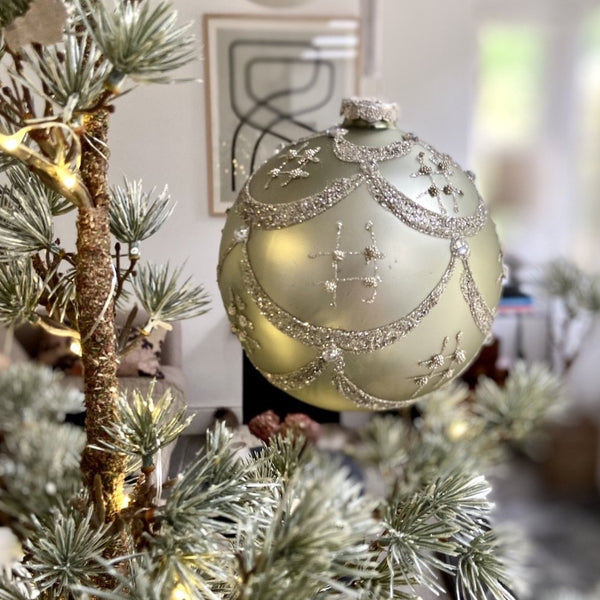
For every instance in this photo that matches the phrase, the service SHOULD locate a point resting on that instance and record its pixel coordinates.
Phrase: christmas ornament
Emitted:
(359, 267)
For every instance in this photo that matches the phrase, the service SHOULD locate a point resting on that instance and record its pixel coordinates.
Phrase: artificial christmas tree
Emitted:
(287, 521)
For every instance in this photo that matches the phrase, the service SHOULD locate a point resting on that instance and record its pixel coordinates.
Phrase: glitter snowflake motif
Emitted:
(441, 365)
(438, 169)
(371, 255)
(241, 326)
(297, 159)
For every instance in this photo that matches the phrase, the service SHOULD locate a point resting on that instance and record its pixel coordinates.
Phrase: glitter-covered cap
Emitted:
(370, 110)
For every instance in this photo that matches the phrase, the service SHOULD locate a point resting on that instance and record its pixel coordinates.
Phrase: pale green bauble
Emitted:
(359, 267)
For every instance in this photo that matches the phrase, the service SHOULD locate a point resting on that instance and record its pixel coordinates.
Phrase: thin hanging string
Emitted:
(113, 287)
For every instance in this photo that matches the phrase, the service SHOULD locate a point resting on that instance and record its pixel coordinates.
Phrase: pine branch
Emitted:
(134, 217)
(513, 411)
(216, 490)
(314, 537)
(578, 297)
(66, 552)
(38, 476)
(25, 219)
(481, 572)
(70, 76)
(138, 583)
(20, 290)
(30, 393)
(164, 299)
(145, 426)
(25, 183)
(10, 590)
(140, 41)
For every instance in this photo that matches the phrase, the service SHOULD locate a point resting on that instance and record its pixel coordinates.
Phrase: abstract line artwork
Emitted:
(270, 80)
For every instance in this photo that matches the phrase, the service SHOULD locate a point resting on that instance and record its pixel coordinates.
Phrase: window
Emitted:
(586, 245)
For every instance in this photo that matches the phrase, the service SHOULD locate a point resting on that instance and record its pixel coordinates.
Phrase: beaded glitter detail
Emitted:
(241, 326)
(441, 365)
(480, 311)
(299, 157)
(352, 153)
(420, 218)
(331, 343)
(438, 169)
(371, 254)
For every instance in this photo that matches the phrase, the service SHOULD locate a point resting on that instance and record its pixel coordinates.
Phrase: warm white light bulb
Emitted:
(457, 429)
(10, 144)
(125, 501)
(68, 180)
(179, 593)
(75, 347)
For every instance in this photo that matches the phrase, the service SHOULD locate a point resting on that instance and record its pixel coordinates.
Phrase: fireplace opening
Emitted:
(259, 395)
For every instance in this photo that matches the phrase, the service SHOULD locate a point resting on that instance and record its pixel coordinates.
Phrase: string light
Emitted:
(180, 593)
(457, 430)
(75, 347)
(60, 174)
(9, 143)
(68, 179)
(59, 331)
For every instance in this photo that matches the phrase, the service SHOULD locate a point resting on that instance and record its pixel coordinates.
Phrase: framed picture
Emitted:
(269, 81)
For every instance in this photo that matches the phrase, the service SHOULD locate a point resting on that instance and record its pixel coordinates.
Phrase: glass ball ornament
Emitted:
(359, 267)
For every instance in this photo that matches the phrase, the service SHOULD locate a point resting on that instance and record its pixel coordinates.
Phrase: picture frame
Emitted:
(270, 80)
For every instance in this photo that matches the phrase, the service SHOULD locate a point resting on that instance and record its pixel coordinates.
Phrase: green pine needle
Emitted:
(176, 560)
(528, 395)
(146, 425)
(9, 590)
(141, 41)
(164, 299)
(134, 216)
(28, 184)
(62, 296)
(20, 290)
(25, 219)
(65, 552)
(481, 572)
(70, 75)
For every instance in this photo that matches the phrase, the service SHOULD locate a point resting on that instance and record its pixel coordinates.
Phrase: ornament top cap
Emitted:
(369, 110)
